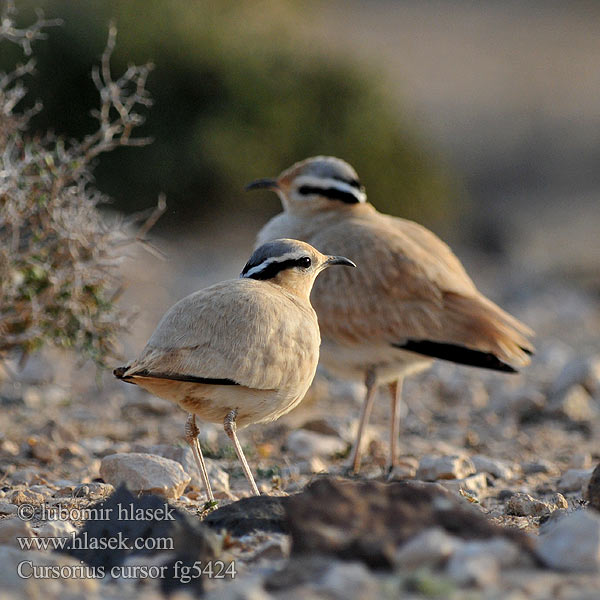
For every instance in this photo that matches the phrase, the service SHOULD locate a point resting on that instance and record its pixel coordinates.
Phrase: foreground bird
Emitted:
(410, 301)
(241, 351)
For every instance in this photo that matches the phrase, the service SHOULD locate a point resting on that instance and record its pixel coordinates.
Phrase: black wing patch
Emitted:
(457, 354)
(119, 374)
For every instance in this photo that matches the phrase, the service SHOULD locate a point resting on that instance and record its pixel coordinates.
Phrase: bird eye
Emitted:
(304, 262)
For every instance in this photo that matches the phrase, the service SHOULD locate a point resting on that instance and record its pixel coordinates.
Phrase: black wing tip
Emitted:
(180, 377)
(457, 354)
(119, 372)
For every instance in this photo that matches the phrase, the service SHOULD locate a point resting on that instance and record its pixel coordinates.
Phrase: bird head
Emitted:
(291, 264)
(315, 183)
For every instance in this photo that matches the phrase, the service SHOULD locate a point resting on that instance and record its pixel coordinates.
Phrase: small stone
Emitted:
(505, 552)
(525, 401)
(575, 404)
(218, 477)
(474, 484)
(55, 529)
(346, 581)
(593, 490)
(93, 490)
(429, 548)
(456, 466)
(580, 371)
(24, 476)
(575, 480)
(558, 501)
(65, 492)
(42, 489)
(473, 393)
(11, 529)
(402, 470)
(146, 473)
(9, 447)
(325, 425)
(306, 444)
(479, 570)
(42, 449)
(497, 468)
(277, 546)
(539, 466)
(547, 522)
(524, 505)
(26, 497)
(81, 491)
(581, 460)
(32, 397)
(96, 445)
(316, 465)
(572, 543)
(6, 508)
(479, 562)
(72, 450)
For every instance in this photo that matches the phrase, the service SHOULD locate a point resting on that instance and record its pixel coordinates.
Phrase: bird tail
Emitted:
(119, 373)
(481, 325)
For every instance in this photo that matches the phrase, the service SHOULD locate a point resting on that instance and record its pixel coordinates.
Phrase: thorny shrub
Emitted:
(58, 252)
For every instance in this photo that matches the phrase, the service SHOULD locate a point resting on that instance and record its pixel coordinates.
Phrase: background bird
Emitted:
(241, 351)
(410, 301)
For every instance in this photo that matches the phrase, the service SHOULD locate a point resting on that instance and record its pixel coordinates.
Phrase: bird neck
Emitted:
(295, 284)
(327, 208)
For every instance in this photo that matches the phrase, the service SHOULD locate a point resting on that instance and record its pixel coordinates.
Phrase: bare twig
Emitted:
(23, 37)
(58, 253)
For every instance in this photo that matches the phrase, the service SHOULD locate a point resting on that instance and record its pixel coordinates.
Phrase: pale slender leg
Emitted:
(191, 436)
(364, 420)
(396, 392)
(230, 428)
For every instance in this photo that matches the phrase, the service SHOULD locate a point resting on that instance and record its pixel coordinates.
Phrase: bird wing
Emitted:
(241, 332)
(408, 286)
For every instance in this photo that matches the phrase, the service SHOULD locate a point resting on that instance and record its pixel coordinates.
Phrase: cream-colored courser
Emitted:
(410, 300)
(241, 351)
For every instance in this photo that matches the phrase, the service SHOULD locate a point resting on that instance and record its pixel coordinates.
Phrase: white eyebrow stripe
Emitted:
(324, 183)
(273, 259)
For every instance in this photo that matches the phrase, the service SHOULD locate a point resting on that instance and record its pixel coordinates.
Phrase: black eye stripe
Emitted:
(330, 193)
(274, 268)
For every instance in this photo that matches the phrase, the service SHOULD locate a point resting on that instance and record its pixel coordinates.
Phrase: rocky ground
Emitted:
(493, 497)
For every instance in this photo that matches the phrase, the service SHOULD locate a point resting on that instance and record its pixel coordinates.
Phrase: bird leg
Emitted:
(396, 392)
(230, 430)
(191, 436)
(364, 420)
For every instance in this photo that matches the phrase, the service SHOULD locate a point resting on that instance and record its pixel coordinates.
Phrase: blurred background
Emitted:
(480, 120)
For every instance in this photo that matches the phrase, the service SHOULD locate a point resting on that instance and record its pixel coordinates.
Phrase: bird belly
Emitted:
(212, 403)
(353, 361)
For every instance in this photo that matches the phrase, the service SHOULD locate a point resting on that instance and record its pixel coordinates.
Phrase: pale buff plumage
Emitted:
(241, 351)
(409, 284)
(257, 333)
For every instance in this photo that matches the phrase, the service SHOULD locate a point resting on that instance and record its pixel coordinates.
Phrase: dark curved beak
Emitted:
(262, 184)
(339, 260)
